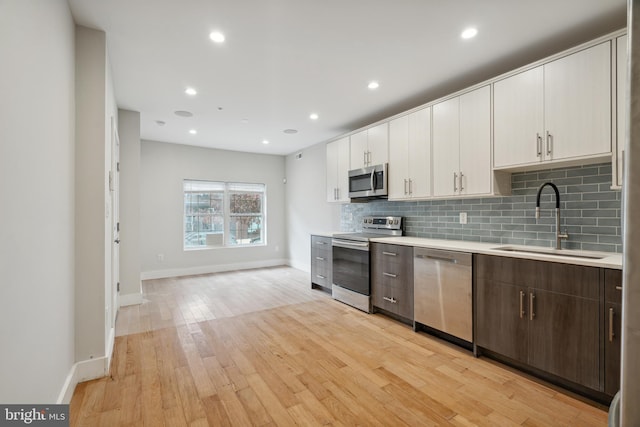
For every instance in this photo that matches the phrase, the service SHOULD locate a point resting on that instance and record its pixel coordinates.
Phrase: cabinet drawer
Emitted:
(394, 299)
(613, 286)
(320, 242)
(392, 254)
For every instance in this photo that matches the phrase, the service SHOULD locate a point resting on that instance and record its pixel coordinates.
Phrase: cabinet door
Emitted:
(378, 143)
(612, 330)
(358, 150)
(338, 171)
(398, 158)
(343, 170)
(577, 104)
(446, 147)
(500, 327)
(419, 154)
(621, 107)
(518, 119)
(564, 336)
(475, 141)
(392, 279)
(332, 171)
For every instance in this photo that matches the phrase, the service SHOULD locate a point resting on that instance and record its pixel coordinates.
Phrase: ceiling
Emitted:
(285, 59)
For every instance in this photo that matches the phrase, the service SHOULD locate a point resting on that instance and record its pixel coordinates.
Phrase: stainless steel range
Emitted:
(351, 262)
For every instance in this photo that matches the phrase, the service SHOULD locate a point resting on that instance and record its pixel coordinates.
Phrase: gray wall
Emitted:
(37, 192)
(163, 169)
(590, 212)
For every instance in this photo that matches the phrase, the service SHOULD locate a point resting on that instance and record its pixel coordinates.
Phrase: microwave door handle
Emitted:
(373, 180)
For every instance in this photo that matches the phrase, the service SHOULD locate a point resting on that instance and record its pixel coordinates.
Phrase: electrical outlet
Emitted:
(161, 257)
(463, 217)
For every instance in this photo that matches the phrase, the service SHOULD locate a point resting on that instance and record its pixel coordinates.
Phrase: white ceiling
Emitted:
(284, 59)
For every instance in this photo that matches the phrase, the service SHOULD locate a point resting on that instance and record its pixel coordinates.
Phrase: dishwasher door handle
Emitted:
(437, 258)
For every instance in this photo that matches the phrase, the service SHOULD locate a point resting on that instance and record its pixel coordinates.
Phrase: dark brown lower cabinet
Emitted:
(541, 314)
(612, 330)
(392, 279)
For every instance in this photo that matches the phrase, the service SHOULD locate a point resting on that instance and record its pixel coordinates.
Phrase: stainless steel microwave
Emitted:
(368, 183)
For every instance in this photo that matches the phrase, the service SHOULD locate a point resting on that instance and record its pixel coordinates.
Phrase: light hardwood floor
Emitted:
(260, 348)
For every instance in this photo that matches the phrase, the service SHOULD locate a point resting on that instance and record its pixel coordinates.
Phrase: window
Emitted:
(220, 214)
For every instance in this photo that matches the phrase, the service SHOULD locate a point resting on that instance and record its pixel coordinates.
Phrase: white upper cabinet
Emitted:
(370, 147)
(410, 156)
(557, 112)
(621, 110)
(462, 145)
(337, 170)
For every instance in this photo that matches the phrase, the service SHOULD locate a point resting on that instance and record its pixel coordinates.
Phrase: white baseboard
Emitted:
(82, 371)
(304, 266)
(130, 299)
(206, 269)
(87, 370)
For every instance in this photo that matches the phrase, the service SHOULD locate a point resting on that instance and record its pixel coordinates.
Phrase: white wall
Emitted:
(129, 131)
(37, 199)
(163, 169)
(95, 105)
(307, 210)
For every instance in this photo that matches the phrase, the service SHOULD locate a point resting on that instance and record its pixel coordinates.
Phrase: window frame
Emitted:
(227, 189)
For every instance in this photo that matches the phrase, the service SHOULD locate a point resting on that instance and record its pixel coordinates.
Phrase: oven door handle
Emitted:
(347, 244)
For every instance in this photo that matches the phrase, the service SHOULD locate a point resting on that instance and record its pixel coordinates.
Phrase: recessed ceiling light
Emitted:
(313, 116)
(190, 91)
(183, 113)
(373, 85)
(217, 36)
(265, 142)
(469, 33)
(193, 131)
(290, 131)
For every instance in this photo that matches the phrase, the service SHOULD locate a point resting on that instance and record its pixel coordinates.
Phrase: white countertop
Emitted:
(608, 260)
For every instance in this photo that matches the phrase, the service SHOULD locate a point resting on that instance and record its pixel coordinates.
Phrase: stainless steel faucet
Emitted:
(559, 236)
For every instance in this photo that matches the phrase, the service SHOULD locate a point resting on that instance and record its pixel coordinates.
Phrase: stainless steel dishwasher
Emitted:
(442, 292)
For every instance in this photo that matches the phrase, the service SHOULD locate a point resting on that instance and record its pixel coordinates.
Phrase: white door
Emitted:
(419, 153)
(343, 169)
(577, 104)
(446, 147)
(378, 144)
(398, 155)
(621, 81)
(359, 150)
(115, 222)
(475, 141)
(518, 121)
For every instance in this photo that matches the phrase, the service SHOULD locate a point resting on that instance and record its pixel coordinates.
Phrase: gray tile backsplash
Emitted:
(590, 212)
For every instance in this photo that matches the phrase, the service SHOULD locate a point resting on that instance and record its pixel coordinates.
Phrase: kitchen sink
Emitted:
(552, 252)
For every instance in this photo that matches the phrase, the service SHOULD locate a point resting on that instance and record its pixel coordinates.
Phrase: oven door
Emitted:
(351, 265)
(369, 182)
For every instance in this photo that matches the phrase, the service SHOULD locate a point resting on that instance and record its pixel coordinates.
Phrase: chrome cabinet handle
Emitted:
(364, 158)
(390, 275)
(549, 143)
(321, 243)
(455, 182)
(461, 187)
(320, 276)
(391, 300)
(611, 334)
(532, 314)
(618, 288)
(410, 186)
(521, 304)
(389, 253)
(538, 145)
(319, 258)
(405, 186)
